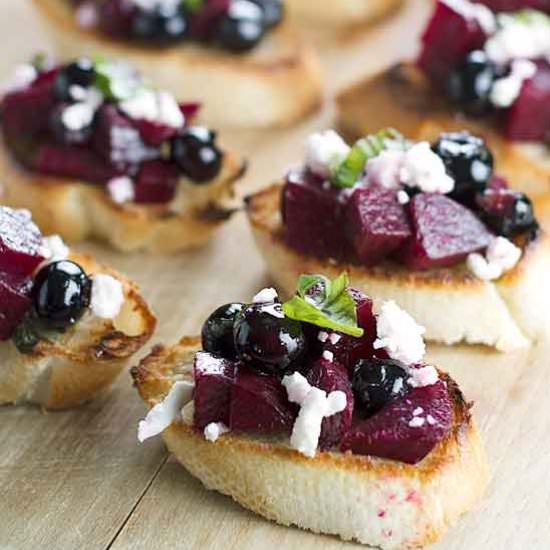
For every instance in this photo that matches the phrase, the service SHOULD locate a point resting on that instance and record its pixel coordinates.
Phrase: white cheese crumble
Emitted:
(87, 15)
(416, 422)
(107, 296)
(399, 334)
(325, 152)
(154, 106)
(403, 197)
(165, 412)
(121, 189)
(265, 296)
(22, 77)
(477, 12)
(519, 39)
(422, 377)
(322, 336)
(274, 310)
(163, 5)
(54, 249)
(507, 89)
(431, 420)
(315, 405)
(206, 363)
(214, 430)
(501, 255)
(385, 169)
(397, 386)
(418, 411)
(78, 116)
(334, 338)
(328, 356)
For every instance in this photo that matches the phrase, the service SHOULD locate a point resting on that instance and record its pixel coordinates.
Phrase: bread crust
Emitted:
(87, 358)
(275, 85)
(374, 501)
(402, 95)
(77, 210)
(452, 304)
(342, 13)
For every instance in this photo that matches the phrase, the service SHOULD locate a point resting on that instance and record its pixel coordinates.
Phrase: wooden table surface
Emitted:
(80, 480)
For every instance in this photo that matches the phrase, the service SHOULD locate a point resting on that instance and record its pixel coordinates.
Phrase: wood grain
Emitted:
(79, 479)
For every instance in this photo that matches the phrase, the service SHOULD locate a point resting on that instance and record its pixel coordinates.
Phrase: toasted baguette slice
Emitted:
(78, 211)
(276, 84)
(402, 95)
(78, 364)
(333, 493)
(452, 304)
(342, 13)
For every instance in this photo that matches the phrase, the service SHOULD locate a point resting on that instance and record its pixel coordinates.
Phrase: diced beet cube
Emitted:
(154, 134)
(204, 22)
(314, 216)
(72, 161)
(156, 182)
(407, 429)
(446, 41)
(528, 119)
(376, 223)
(190, 110)
(497, 183)
(331, 376)
(14, 303)
(259, 403)
(20, 242)
(515, 5)
(214, 377)
(444, 232)
(116, 16)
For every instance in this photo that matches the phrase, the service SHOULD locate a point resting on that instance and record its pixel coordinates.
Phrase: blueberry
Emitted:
(468, 161)
(470, 84)
(217, 331)
(79, 73)
(266, 340)
(272, 12)
(161, 25)
(61, 293)
(242, 27)
(196, 154)
(376, 382)
(62, 134)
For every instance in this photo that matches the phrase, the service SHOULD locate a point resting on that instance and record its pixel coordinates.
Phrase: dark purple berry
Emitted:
(242, 27)
(217, 331)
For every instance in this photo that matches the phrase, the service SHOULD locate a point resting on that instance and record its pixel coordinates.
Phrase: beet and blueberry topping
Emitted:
(98, 122)
(493, 64)
(42, 292)
(232, 25)
(420, 205)
(322, 369)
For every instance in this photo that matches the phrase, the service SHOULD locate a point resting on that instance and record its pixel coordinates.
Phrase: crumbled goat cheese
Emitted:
(22, 77)
(422, 377)
(274, 310)
(334, 338)
(423, 169)
(121, 189)
(385, 169)
(54, 249)
(153, 106)
(206, 363)
(315, 405)
(519, 39)
(416, 422)
(328, 356)
(399, 334)
(265, 296)
(162, 5)
(214, 430)
(78, 116)
(165, 412)
(397, 386)
(87, 15)
(431, 420)
(477, 12)
(507, 89)
(125, 81)
(322, 336)
(244, 9)
(325, 151)
(418, 411)
(107, 296)
(501, 255)
(127, 147)
(403, 197)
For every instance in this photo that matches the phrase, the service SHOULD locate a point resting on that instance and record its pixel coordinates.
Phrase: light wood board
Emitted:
(79, 479)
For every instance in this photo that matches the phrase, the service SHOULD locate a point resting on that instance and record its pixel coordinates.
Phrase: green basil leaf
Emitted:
(193, 5)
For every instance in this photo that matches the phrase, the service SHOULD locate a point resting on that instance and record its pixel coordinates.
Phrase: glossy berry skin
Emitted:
(79, 73)
(196, 154)
(272, 12)
(376, 382)
(217, 331)
(242, 27)
(266, 340)
(468, 161)
(64, 135)
(469, 85)
(61, 294)
(160, 26)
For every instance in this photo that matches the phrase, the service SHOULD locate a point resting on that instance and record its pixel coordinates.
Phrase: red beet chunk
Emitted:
(154, 134)
(376, 223)
(314, 216)
(497, 183)
(72, 161)
(446, 41)
(156, 182)
(331, 376)
(20, 241)
(444, 232)
(190, 110)
(528, 119)
(259, 404)
(515, 5)
(14, 303)
(393, 434)
(115, 17)
(204, 22)
(214, 377)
